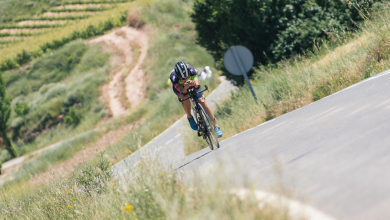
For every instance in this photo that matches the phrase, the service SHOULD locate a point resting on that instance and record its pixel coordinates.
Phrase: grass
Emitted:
(151, 193)
(297, 82)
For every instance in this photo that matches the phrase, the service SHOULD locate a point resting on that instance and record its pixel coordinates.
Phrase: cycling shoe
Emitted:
(193, 124)
(219, 132)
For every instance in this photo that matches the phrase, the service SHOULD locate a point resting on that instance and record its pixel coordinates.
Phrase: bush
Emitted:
(74, 117)
(21, 109)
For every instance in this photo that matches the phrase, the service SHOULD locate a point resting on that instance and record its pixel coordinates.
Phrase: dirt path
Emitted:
(136, 81)
(121, 41)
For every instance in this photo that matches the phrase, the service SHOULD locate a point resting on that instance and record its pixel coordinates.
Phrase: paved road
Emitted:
(167, 147)
(335, 153)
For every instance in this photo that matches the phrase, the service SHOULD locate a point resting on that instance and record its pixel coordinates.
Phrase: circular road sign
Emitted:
(233, 57)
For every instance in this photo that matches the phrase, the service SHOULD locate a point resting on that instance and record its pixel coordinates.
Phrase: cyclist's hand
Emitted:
(187, 85)
(191, 83)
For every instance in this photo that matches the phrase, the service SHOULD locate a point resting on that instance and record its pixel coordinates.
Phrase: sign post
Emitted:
(238, 61)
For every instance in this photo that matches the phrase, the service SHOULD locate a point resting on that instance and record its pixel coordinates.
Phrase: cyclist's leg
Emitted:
(207, 108)
(186, 104)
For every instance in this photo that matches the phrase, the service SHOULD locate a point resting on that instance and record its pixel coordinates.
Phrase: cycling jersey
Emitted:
(176, 82)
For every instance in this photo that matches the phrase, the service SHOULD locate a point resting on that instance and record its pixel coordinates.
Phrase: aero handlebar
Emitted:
(206, 89)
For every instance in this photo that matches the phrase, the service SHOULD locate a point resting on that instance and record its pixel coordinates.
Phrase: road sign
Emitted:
(238, 61)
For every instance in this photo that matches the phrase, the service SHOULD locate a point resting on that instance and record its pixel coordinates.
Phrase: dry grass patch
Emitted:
(134, 20)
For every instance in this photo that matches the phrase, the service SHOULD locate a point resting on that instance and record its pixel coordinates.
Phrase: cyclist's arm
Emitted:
(183, 89)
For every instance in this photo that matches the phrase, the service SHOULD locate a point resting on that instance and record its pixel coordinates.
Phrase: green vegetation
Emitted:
(50, 18)
(92, 2)
(5, 112)
(63, 84)
(298, 82)
(272, 29)
(15, 8)
(35, 26)
(90, 31)
(15, 55)
(79, 9)
(161, 110)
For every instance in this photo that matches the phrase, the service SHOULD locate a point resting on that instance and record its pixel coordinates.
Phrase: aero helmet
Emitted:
(181, 70)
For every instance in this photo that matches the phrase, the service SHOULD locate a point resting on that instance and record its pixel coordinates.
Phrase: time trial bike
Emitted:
(206, 128)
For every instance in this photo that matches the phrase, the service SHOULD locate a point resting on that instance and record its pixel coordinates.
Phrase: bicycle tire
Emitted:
(210, 134)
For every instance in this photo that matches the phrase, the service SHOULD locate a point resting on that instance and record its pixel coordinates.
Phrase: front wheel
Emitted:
(209, 130)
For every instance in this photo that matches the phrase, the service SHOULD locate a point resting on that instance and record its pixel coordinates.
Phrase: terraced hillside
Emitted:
(47, 25)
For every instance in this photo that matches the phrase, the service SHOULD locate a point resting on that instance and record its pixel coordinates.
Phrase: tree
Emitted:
(271, 29)
(5, 112)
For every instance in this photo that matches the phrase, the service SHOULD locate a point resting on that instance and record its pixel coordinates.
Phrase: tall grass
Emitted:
(151, 193)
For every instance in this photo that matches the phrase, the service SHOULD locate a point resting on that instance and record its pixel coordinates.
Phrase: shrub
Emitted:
(21, 109)
(74, 116)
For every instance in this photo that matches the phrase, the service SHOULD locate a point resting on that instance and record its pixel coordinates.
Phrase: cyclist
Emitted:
(183, 77)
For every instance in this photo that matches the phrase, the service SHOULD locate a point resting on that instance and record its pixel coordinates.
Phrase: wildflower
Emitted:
(68, 191)
(140, 163)
(48, 201)
(54, 198)
(162, 174)
(42, 205)
(74, 197)
(100, 212)
(69, 206)
(128, 208)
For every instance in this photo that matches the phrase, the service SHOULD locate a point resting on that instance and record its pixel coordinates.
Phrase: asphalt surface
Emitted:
(167, 148)
(334, 154)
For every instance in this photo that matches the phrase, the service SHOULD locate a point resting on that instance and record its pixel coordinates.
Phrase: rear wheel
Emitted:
(209, 130)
